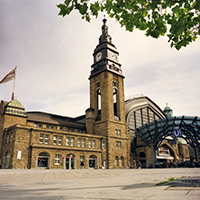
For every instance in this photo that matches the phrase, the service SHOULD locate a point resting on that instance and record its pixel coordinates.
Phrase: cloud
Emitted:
(54, 58)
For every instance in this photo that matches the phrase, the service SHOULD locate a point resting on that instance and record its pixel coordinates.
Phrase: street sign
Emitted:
(177, 133)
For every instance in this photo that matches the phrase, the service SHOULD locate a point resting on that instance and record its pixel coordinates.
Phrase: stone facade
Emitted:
(99, 139)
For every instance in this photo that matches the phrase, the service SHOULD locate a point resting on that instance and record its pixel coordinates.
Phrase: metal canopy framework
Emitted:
(153, 133)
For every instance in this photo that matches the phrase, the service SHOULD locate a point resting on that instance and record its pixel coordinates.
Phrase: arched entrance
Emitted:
(43, 160)
(142, 158)
(153, 134)
(7, 160)
(92, 161)
(70, 161)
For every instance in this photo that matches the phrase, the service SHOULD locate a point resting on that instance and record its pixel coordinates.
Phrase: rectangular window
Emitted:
(55, 139)
(35, 124)
(93, 144)
(119, 145)
(57, 159)
(40, 125)
(46, 141)
(60, 140)
(41, 138)
(79, 142)
(83, 142)
(47, 126)
(72, 142)
(52, 127)
(67, 141)
(90, 144)
(61, 128)
(119, 133)
(103, 144)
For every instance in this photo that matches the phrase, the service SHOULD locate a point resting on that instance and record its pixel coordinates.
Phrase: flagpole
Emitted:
(13, 96)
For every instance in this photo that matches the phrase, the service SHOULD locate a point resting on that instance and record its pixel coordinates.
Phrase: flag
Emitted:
(10, 76)
(177, 133)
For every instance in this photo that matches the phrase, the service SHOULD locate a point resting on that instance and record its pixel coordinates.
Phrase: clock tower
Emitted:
(107, 102)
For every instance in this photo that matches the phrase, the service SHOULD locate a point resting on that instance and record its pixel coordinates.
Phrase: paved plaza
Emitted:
(99, 184)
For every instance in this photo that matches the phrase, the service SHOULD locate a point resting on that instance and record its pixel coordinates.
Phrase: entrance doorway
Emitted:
(70, 161)
(92, 161)
(42, 160)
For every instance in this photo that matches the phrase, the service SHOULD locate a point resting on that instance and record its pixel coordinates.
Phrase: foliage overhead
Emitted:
(178, 19)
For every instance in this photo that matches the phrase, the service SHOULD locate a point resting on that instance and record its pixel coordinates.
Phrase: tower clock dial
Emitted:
(112, 56)
(98, 56)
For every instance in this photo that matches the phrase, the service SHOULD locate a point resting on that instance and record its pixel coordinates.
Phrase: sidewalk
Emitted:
(126, 184)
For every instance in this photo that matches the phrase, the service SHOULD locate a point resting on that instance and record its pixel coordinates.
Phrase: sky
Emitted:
(53, 56)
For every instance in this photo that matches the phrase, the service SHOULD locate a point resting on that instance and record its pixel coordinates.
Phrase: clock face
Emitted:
(98, 56)
(112, 56)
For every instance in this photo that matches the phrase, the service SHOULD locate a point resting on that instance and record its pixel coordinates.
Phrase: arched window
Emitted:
(7, 138)
(115, 101)
(11, 137)
(99, 104)
(116, 160)
(121, 161)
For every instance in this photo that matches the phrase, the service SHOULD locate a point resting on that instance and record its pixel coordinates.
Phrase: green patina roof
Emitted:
(167, 108)
(14, 107)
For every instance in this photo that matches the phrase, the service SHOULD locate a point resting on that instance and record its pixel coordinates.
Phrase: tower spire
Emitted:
(105, 37)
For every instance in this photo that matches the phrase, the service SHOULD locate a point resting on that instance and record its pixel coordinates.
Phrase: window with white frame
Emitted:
(116, 132)
(72, 142)
(93, 144)
(83, 142)
(46, 140)
(60, 140)
(79, 142)
(57, 159)
(103, 144)
(55, 139)
(90, 144)
(41, 138)
(67, 141)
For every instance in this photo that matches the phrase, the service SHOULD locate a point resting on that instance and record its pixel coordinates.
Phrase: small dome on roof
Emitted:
(14, 107)
(168, 111)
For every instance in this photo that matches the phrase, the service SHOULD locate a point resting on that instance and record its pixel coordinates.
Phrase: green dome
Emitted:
(14, 107)
(168, 111)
